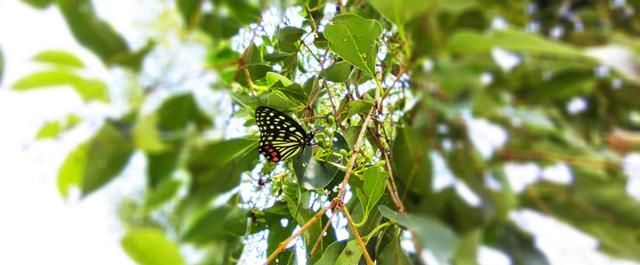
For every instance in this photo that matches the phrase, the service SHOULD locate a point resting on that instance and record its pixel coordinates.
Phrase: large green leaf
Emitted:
(338, 72)
(216, 167)
(331, 254)
(96, 34)
(433, 235)
(392, 253)
(217, 224)
(351, 253)
(88, 89)
(411, 160)
(354, 39)
(59, 58)
(40, 4)
(96, 162)
(150, 246)
(518, 41)
(401, 11)
(173, 118)
(190, 11)
(372, 189)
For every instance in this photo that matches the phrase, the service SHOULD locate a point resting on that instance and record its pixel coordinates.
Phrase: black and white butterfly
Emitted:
(281, 137)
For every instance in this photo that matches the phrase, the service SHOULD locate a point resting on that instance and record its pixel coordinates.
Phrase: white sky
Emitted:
(38, 227)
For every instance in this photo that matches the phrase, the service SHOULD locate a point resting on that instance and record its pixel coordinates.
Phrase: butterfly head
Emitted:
(310, 138)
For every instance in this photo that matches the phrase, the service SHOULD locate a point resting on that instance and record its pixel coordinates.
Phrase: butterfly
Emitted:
(281, 137)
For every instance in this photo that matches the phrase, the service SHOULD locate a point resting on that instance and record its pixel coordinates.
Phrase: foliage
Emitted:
(392, 87)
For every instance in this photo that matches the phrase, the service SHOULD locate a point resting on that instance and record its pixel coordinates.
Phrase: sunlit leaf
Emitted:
(88, 89)
(150, 246)
(433, 235)
(60, 58)
(354, 39)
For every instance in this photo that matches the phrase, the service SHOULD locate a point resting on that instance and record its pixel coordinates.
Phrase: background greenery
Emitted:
(391, 87)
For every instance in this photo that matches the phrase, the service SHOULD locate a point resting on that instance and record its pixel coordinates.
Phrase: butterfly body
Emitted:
(281, 137)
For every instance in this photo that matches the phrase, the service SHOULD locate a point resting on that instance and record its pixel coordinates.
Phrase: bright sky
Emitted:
(38, 227)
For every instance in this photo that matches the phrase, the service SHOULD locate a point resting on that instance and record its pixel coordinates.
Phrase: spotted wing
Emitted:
(281, 137)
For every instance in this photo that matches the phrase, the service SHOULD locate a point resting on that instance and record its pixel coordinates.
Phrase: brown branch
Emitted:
(356, 235)
(295, 235)
(319, 239)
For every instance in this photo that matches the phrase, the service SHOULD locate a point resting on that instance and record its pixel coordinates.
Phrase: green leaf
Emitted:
(351, 253)
(392, 253)
(72, 170)
(49, 130)
(96, 162)
(92, 32)
(513, 40)
(88, 89)
(108, 153)
(150, 246)
(273, 77)
(60, 58)
(411, 159)
(190, 11)
(354, 39)
(146, 136)
(289, 34)
(338, 72)
(519, 246)
(217, 224)
(162, 194)
(433, 235)
(372, 189)
(39, 4)
(216, 167)
(401, 11)
(331, 254)
(467, 250)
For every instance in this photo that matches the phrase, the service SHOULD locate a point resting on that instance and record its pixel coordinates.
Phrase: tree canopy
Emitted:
(400, 94)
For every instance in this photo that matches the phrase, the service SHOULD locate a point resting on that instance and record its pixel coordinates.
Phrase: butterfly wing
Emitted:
(281, 137)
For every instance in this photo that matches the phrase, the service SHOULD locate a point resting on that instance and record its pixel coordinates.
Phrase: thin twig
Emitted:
(356, 235)
(295, 235)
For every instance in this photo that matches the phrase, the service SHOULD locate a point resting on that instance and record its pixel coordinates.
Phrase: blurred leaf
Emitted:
(173, 117)
(433, 235)
(289, 34)
(411, 160)
(217, 224)
(163, 193)
(273, 77)
(49, 130)
(351, 253)
(216, 167)
(518, 41)
(190, 11)
(400, 11)
(146, 136)
(338, 72)
(219, 27)
(519, 246)
(134, 59)
(60, 58)
(354, 39)
(88, 89)
(149, 246)
(72, 170)
(40, 4)
(94, 33)
(108, 153)
(96, 162)
(392, 253)
(467, 250)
